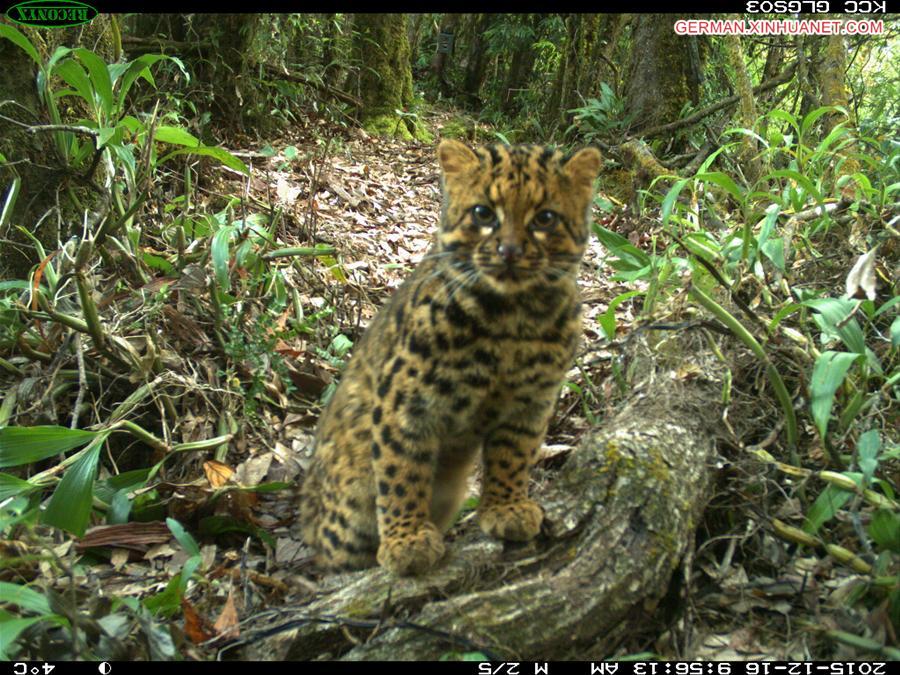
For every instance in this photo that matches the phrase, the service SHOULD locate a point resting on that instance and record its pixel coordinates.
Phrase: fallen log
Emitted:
(620, 516)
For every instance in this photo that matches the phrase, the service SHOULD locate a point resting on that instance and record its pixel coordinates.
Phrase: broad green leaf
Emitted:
(773, 249)
(701, 245)
(213, 526)
(340, 345)
(831, 317)
(895, 332)
(709, 160)
(814, 115)
(10, 486)
(106, 490)
(837, 133)
(878, 312)
(669, 200)
(25, 597)
(119, 508)
(131, 123)
(724, 181)
(607, 320)
(58, 55)
(867, 449)
(828, 374)
(70, 506)
(158, 262)
(223, 156)
(74, 75)
(183, 537)
(11, 626)
(167, 601)
(221, 255)
(24, 445)
(99, 74)
(20, 41)
(884, 528)
(274, 486)
(785, 117)
(611, 240)
(630, 255)
(116, 70)
(176, 136)
(333, 266)
(747, 132)
(190, 566)
(768, 224)
(138, 67)
(798, 178)
(823, 509)
(106, 134)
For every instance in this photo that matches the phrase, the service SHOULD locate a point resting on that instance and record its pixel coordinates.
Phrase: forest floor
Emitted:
(744, 595)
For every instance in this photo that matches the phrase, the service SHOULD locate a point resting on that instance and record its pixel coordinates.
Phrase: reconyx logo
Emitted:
(51, 13)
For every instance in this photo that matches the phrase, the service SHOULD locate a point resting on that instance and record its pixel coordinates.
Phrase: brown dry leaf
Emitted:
(134, 536)
(195, 627)
(227, 623)
(119, 557)
(254, 470)
(217, 474)
(159, 551)
(10, 548)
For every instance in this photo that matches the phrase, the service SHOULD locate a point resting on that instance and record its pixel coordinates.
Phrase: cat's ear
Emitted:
(455, 157)
(583, 166)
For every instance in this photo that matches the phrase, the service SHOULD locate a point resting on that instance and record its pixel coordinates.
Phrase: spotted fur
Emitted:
(464, 362)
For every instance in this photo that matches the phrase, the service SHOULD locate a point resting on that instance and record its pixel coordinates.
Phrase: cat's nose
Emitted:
(509, 252)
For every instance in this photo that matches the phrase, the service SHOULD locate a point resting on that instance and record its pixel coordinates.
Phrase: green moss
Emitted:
(657, 467)
(397, 127)
(455, 128)
(385, 83)
(423, 134)
(387, 125)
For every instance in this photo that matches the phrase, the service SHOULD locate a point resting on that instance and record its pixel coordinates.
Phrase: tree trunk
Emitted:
(829, 72)
(331, 71)
(619, 517)
(520, 68)
(381, 46)
(659, 72)
(603, 61)
(31, 158)
(476, 64)
(441, 58)
(746, 108)
(553, 111)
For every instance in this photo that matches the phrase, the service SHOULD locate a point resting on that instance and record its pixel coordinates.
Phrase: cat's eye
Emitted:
(545, 220)
(482, 215)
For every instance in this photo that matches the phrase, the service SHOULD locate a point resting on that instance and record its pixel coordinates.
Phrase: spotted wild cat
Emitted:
(464, 362)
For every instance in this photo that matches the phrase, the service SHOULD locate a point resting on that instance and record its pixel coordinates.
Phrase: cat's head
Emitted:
(517, 215)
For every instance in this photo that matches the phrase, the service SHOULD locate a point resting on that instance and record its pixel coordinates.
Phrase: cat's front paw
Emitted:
(413, 552)
(517, 521)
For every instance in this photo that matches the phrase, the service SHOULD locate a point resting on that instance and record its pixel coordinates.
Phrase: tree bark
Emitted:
(31, 159)
(619, 517)
(659, 72)
(476, 64)
(746, 108)
(440, 58)
(520, 68)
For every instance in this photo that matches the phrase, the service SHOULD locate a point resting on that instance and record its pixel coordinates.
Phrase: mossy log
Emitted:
(620, 515)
